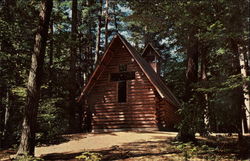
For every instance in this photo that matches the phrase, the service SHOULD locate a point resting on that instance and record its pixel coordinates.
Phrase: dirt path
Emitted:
(141, 146)
(93, 142)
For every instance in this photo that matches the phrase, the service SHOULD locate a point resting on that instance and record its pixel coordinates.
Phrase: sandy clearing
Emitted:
(86, 142)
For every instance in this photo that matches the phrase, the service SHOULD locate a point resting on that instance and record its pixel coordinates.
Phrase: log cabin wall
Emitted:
(138, 112)
(167, 116)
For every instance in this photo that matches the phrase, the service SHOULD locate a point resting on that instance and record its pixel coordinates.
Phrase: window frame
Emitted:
(126, 92)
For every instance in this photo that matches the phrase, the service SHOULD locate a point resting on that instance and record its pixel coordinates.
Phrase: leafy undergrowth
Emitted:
(203, 151)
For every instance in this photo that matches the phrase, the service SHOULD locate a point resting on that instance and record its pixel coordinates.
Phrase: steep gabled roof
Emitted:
(156, 81)
(148, 47)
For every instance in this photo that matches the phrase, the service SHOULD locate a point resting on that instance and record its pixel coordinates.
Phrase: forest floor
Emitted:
(142, 146)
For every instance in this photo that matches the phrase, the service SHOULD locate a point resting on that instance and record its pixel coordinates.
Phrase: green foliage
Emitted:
(190, 150)
(28, 158)
(19, 91)
(52, 120)
(192, 113)
(89, 156)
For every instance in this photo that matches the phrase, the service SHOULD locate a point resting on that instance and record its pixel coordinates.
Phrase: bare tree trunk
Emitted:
(72, 71)
(204, 95)
(237, 93)
(1, 111)
(115, 17)
(98, 34)
(245, 87)
(51, 53)
(90, 37)
(191, 77)
(6, 114)
(106, 23)
(27, 144)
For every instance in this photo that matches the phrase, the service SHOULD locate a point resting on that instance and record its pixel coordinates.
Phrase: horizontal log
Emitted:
(123, 126)
(141, 101)
(124, 109)
(125, 129)
(121, 119)
(141, 96)
(124, 122)
(113, 98)
(129, 93)
(135, 85)
(124, 117)
(139, 86)
(127, 105)
(132, 89)
(125, 113)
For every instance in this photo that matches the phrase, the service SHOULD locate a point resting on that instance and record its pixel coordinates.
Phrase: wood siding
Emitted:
(167, 115)
(139, 112)
(149, 105)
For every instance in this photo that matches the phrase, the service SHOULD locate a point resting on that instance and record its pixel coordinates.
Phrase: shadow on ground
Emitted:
(227, 148)
(137, 150)
(52, 141)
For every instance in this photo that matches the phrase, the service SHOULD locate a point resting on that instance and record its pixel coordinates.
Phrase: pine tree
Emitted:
(27, 143)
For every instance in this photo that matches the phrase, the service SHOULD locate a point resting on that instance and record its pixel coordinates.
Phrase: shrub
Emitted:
(89, 156)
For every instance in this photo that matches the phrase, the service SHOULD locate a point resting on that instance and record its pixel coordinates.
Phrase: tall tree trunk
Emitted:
(115, 17)
(204, 96)
(245, 87)
(1, 124)
(185, 134)
(106, 23)
(27, 144)
(98, 34)
(6, 116)
(90, 37)
(51, 55)
(237, 93)
(73, 58)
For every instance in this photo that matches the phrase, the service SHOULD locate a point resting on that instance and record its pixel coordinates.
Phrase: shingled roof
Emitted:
(157, 82)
